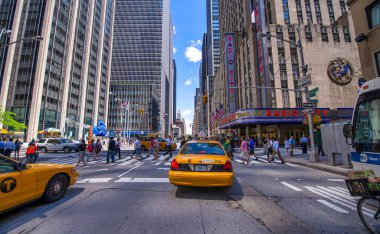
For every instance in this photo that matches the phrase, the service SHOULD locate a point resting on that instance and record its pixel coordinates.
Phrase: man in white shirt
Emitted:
(169, 146)
(276, 149)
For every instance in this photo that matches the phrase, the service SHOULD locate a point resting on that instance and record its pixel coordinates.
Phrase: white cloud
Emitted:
(196, 43)
(188, 82)
(188, 127)
(193, 54)
(174, 30)
(186, 113)
(175, 50)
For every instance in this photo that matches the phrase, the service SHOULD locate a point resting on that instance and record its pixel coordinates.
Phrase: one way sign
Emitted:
(309, 105)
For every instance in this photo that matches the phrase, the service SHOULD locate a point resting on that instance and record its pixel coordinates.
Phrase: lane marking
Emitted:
(167, 164)
(165, 169)
(332, 206)
(336, 180)
(291, 186)
(142, 180)
(291, 164)
(105, 169)
(133, 168)
(94, 180)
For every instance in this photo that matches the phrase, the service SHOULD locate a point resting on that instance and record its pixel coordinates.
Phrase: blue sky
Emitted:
(189, 22)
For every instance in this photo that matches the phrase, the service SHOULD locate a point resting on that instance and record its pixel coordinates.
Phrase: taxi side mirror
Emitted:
(21, 166)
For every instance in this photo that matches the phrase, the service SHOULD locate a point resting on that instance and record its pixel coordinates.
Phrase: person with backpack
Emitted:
(18, 145)
(111, 150)
(82, 153)
(98, 149)
(118, 148)
(91, 151)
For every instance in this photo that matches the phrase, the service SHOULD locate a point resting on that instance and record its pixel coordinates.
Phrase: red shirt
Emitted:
(31, 149)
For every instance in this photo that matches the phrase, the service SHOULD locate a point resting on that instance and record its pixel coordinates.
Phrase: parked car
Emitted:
(57, 144)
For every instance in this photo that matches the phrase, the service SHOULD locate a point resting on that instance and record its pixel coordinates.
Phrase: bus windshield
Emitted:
(367, 122)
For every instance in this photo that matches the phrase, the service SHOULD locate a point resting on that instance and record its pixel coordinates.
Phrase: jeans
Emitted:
(304, 147)
(118, 152)
(112, 154)
(8, 152)
(169, 150)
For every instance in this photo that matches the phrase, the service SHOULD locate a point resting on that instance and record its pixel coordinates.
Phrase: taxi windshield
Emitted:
(202, 148)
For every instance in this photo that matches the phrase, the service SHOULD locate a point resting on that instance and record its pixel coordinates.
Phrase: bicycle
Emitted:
(28, 160)
(368, 206)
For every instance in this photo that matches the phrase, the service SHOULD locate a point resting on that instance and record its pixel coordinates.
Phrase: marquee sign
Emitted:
(230, 65)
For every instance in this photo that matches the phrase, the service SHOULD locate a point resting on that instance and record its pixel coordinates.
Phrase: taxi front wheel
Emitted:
(55, 189)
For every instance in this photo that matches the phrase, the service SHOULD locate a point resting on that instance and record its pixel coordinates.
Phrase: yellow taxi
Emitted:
(201, 163)
(22, 183)
(145, 142)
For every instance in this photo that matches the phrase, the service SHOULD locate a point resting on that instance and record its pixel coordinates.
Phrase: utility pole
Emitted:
(313, 156)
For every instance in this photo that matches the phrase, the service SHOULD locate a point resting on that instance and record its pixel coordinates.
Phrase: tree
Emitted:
(7, 119)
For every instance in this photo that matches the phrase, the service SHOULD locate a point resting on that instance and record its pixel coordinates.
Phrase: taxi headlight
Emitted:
(74, 170)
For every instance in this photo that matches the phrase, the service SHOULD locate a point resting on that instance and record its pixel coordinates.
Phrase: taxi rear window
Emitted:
(202, 148)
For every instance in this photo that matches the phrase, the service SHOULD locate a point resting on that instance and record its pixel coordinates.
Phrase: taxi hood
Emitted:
(49, 166)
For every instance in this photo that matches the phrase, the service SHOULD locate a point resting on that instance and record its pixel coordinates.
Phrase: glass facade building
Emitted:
(62, 81)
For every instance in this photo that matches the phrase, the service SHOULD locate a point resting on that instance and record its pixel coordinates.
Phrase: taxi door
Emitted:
(16, 186)
(162, 143)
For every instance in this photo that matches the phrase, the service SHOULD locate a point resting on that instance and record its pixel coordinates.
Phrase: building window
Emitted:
(308, 12)
(308, 35)
(335, 33)
(377, 58)
(346, 32)
(318, 14)
(373, 14)
(324, 35)
(343, 6)
(299, 11)
(285, 99)
(285, 8)
(331, 11)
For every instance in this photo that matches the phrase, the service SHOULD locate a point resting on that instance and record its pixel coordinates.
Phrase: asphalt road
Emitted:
(135, 197)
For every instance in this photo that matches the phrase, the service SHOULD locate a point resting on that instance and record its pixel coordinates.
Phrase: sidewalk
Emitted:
(304, 160)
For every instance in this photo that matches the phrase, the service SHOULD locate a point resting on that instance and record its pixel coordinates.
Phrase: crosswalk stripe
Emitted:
(167, 164)
(142, 180)
(157, 163)
(94, 180)
(336, 193)
(291, 164)
(336, 180)
(291, 186)
(332, 206)
(342, 189)
(164, 168)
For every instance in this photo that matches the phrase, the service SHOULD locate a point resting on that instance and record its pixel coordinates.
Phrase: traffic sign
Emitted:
(313, 101)
(308, 110)
(304, 81)
(309, 105)
(314, 90)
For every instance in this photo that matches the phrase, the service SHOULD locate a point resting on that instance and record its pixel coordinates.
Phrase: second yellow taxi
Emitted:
(201, 163)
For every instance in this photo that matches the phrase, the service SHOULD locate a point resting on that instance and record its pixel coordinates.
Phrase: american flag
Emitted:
(221, 112)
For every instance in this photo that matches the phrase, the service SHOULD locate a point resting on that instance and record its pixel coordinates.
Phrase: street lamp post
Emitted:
(313, 156)
(37, 38)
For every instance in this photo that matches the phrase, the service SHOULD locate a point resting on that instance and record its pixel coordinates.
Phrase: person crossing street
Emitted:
(276, 150)
(169, 142)
(111, 150)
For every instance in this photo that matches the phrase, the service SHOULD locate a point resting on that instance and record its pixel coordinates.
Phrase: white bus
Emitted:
(365, 128)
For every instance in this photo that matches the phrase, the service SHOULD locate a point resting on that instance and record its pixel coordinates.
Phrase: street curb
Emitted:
(319, 167)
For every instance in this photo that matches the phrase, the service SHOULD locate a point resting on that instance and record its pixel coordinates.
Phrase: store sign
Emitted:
(230, 65)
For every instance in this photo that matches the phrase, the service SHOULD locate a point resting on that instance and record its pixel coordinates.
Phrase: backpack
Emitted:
(90, 148)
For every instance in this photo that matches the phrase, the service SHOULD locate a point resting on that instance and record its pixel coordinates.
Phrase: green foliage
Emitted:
(7, 118)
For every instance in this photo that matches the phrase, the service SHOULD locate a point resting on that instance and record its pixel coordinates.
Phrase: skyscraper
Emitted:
(213, 37)
(142, 69)
(61, 81)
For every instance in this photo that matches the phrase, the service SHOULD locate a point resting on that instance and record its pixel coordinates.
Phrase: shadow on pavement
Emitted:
(217, 193)
(23, 214)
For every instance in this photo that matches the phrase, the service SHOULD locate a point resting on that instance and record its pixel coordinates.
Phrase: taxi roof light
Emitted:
(174, 165)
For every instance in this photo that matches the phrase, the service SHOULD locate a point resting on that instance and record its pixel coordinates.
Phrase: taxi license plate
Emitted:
(200, 168)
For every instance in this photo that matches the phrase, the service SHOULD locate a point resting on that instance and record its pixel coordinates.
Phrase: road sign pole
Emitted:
(313, 156)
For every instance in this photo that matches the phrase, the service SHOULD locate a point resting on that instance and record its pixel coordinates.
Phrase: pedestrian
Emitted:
(156, 148)
(244, 151)
(32, 152)
(17, 149)
(269, 146)
(227, 147)
(98, 149)
(276, 150)
(252, 145)
(292, 145)
(91, 151)
(111, 150)
(32, 142)
(183, 142)
(304, 142)
(169, 142)
(82, 153)
(287, 145)
(118, 148)
(138, 148)
(318, 142)
(2, 146)
(9, 146)
(151, 147)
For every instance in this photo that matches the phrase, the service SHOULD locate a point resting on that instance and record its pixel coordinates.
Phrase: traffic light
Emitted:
(204, 99)
(141, 111)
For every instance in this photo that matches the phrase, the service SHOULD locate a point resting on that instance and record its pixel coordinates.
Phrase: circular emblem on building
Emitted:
(340, 71)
